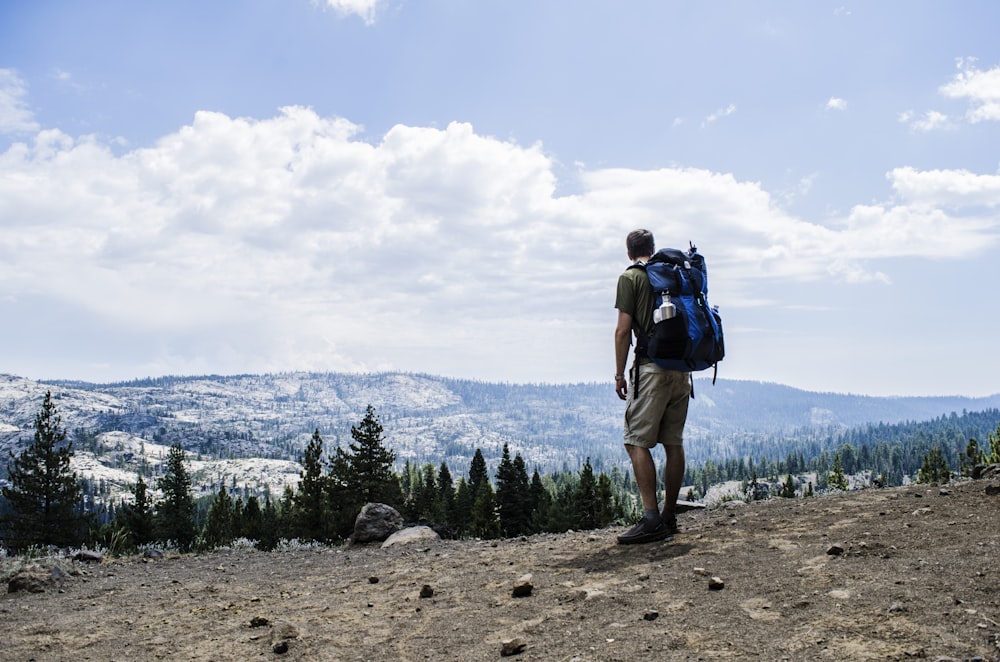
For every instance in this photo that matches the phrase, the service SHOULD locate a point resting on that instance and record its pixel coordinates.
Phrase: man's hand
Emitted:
(623, 339)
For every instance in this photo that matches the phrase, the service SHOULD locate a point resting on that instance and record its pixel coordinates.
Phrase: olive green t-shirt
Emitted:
(635, 297)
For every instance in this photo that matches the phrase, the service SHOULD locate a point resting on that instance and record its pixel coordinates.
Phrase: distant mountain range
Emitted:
(251, 429)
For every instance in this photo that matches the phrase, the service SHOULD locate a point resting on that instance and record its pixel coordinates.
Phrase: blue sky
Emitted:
(445, 187)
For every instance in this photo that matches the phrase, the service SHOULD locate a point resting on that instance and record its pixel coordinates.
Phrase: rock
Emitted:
(373, 580)
(986, 471)
(36, 579)
(523, 587)
(88, 556)
(897, 608)
(716, 584)
(701, 571)
(836, 549)
(992, 490)
(411, 534)
(651, 615)
(685, 506)
(426, 591)
(513, 646)
(281, 633)
(376, 522)
(151, 553)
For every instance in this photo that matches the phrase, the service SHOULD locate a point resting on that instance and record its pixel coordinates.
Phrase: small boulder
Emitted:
(513, 646)
(88, 556)
(523, 587)
(716, 584)
(411, 534)
(36, 579)
(376, 522)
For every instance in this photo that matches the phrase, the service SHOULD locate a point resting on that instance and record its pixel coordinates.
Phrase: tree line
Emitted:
(45, 504)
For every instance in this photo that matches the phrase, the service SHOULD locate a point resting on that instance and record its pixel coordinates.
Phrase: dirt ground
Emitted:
(918, 577)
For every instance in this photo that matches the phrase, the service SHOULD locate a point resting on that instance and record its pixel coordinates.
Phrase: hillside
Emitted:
(249, 430)
(916, 577)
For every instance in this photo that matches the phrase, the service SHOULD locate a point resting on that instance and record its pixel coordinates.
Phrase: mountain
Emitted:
(251, 429)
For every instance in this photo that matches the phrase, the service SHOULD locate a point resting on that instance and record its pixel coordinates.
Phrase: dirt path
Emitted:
(919, 577)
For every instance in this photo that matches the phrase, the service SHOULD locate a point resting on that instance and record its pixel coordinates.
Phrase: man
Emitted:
(656, 405)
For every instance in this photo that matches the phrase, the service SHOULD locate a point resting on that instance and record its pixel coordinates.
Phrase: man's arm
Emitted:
(623, 340)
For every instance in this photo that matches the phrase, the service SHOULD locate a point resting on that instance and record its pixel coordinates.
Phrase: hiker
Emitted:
(656, 399)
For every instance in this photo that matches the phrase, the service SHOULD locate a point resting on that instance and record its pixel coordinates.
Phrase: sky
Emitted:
(445, 187)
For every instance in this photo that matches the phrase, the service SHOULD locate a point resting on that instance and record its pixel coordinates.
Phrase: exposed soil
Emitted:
(919, 577)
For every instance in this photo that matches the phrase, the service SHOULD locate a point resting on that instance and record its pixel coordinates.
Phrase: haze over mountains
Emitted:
(250, 429)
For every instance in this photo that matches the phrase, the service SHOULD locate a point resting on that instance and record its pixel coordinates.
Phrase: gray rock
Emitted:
(716, 584)
(986, 471)
(513, 646)
(411, 534)
(36, 579)
(836, 549)
(685, 506)
(523, 587)
(88, 556)
(376, 522)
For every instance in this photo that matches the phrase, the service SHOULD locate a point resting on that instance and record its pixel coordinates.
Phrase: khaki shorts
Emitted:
(659, 413)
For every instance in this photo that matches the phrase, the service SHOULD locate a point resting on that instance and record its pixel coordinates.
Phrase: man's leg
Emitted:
(673, 476)
(645, 474)
(650, 528)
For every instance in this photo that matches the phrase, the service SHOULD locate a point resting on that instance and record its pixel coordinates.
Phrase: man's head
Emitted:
(640, 244)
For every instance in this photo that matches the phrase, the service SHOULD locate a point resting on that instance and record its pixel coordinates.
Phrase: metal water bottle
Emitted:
(666, 310)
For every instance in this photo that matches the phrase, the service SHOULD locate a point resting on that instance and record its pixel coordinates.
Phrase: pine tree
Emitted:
(309, 504)
(587, 508)
(251, 524)
(540, 502)
(45, 496)
(218, 529)
(175, 512)
(993, 457)
(608, 508)
(371, 463)
(788, 488)
(837, 480)
(934, 469)
(361, 475)
(512, 495)
(484, 522)
(270, 526)
(136, 518)
(478, 475)
(463, 508)
(446, 495)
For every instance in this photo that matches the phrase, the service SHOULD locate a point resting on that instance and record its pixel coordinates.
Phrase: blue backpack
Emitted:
(687, 331)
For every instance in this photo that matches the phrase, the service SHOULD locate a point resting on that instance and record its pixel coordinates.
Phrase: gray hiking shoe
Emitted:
(644, 531)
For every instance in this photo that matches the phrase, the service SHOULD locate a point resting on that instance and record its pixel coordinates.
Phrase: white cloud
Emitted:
(717, 115)
(836, 103)
(932, 120)
(946, 188)
(15, 115)
(290, 243)
(366, 9)
(981, 88)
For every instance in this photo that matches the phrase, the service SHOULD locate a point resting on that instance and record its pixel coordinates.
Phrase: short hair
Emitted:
(640, 243)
